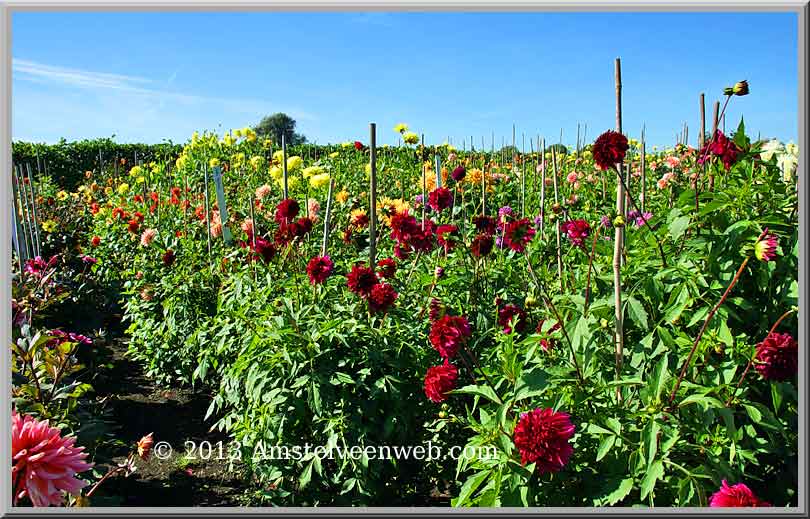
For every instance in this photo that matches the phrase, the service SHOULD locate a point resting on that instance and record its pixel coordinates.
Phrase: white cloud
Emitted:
(130, 106)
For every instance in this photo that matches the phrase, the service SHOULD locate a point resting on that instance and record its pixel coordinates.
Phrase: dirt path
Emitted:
(136, 407)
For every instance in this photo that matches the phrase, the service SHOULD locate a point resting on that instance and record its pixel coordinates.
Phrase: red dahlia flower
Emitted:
(481, 245)
(484, 224)
(577, 231)
(542, 437)
(286, 210)
(738, 495)
(319, 269)
(440, 199)
(517, 234)
(43, 463)
(609, 149)
(168, 257)
(361, 280)
(722, 147)
(448, 334)
(358, 145)
(95, 241)
(510, 313)
(439, 380)
(777, 357)
(382, 297)
(386, 268)
(459, 173)
(132, 226)
(447, 235)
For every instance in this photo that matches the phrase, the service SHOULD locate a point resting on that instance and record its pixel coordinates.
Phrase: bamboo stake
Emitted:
(618, 241)
(643, 172)
(424, 182)
(542, 151)
(34, 213)
(26, 213)
(702, 136)
(557, 220)
(523, 179)
(22, 251)
(372, 221)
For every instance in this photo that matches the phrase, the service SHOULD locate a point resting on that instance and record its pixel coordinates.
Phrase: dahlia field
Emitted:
(615, 325)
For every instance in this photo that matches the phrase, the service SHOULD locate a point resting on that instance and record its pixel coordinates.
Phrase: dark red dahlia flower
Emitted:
(440, 199)
(722, 147)
(482, 245)
(777, 357)
(459, 173)
(132, 226)
(517, 234)
(403, 226)
(576, 231)
(264, 248)
(485, 224)
(609, 149)
(358, 145)
(361, 280)
(448, 334)
(286, 210)
(319, 269)
(386, 268)
(515, 314)
(547, 343)
(738, 495)
(447, 236)
(542, 437)
(168, 257)
(382, 297)
(439, 380)
(96, 241)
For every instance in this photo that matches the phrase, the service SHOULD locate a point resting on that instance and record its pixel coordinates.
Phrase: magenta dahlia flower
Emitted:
(448, 334)
(777, 357)
(738, 495)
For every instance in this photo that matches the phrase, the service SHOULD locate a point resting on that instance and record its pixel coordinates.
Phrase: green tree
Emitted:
(276, 125)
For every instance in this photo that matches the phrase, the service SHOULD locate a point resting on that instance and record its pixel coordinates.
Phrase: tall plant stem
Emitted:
(706, 324)
(751, 361)
(557, 221)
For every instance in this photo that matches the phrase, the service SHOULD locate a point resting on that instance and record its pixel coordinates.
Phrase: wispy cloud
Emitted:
(31, 71)
(28, 70)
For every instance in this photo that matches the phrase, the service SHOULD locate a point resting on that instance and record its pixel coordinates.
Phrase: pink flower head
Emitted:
(738, 495)
(43, 463)
(148, 236)
(777, 357)
(765, 248)
(576, 231)
(572, 177)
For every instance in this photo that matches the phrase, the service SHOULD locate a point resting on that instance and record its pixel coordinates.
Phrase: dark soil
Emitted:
(134, 406)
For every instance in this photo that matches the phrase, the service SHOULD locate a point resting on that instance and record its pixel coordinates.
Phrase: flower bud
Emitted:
(740, 88)
(618, 221)
(556, 207)
(728, 91)
(531, 301)
(439, 272)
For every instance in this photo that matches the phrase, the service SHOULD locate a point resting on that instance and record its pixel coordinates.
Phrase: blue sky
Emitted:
(147, 77)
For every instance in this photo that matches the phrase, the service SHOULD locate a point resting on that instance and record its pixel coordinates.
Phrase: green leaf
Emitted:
(678, 227)
(484, 391)
(469, 487)
(531, 384)
(637, 313)
(605, 446)
(649, 437)
(653, 474)
(622, 491)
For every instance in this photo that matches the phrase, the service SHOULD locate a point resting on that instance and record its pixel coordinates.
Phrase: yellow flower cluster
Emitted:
(401, 128)
(342, 196)
(410, 138)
